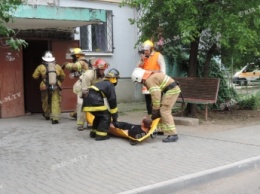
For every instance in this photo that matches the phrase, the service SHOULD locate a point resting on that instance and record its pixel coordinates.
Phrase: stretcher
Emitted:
(121, 133)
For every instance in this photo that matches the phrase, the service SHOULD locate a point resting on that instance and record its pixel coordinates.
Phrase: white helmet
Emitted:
(48, 57)
(138, 74)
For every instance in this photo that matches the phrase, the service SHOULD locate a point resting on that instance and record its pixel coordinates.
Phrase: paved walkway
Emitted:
(38, 157)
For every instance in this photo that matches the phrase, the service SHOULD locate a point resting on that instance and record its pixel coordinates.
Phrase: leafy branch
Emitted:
(8, 36)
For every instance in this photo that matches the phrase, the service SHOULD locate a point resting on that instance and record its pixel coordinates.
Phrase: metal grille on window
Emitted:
(98, 37)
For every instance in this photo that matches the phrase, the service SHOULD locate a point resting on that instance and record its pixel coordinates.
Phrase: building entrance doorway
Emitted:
(32, 57)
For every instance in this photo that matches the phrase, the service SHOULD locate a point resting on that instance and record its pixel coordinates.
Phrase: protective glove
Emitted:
(114, 117)
(64, 65)
(155, 114)
(114, 120)
(85, 93)
(116, 124)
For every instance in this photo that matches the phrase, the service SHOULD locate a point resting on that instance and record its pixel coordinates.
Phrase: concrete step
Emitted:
(186, 121)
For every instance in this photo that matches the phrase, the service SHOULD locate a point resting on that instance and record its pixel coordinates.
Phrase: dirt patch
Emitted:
(244, 117)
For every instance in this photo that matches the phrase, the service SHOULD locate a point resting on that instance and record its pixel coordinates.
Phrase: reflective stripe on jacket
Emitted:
(156, 84)
(95, 102)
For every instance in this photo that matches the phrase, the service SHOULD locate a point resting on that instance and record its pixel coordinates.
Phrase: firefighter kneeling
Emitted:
(100, 100)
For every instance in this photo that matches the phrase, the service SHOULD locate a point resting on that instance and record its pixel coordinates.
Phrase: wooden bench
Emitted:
(197, 90)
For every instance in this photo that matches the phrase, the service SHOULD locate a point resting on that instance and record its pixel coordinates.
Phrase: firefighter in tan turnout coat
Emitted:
(52, 75)
(164, 92)
(78, 66)
(90, 77)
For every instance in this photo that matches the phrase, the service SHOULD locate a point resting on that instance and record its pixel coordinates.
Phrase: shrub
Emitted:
(225, 93)
(249, 102)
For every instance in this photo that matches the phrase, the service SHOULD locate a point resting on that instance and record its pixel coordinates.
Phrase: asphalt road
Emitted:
(246, 183)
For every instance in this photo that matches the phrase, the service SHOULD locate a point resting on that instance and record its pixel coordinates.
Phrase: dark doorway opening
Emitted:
(32, 57)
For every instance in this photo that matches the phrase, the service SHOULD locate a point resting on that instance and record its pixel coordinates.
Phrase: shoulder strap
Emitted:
(98, 90)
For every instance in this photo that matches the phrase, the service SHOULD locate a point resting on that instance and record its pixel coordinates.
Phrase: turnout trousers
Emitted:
(101, 122)
(166, 123)
(53, 109)
(81, 117)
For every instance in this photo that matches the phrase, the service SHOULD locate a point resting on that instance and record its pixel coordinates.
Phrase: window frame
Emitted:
(109, 37)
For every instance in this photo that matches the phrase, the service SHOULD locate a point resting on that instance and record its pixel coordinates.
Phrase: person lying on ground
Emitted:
(133, 130)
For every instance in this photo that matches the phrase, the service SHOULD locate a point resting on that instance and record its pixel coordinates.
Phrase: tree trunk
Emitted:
(208, 58)
(193, 58)
(191, 108)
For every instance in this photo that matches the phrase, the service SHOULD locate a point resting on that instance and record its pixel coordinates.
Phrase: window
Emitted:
(98, 38)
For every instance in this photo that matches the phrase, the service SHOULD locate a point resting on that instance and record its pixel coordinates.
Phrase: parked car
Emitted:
(247, 75)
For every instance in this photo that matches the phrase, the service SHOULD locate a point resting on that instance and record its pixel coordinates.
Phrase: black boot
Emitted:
(54, 122)
(133, 142)
(92, 134)
(89, 127)
(171, 138)
(100, 138)
(160, 133)
(47, 118)
(80, 128)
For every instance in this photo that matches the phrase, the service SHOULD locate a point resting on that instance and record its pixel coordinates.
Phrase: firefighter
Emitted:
(52, 75)
(79, 62)
(164, 93)
(90, 77)
(100, 100)
(150, 61)
(78, 66)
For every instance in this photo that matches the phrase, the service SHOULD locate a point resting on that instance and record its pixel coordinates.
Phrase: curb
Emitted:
(195, 179)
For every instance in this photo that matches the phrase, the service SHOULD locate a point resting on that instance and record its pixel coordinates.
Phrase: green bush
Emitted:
(225, 92)
(249, 102)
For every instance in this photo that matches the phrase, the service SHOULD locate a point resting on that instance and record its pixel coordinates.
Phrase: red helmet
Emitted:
(100, 64)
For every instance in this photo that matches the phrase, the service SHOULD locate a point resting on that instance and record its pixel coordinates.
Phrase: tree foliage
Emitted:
(197, 30)
(8, 36)
(210, 27)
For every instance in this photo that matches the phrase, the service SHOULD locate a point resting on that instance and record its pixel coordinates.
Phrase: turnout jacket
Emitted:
(87, 79)
(94, 101)
(90, 77)
(80, 65)
(40, 72)
(158, 83)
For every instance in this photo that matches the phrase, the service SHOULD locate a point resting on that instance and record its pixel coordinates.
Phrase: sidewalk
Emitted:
(38, 157)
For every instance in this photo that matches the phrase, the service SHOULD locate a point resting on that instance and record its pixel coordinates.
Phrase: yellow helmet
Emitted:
(147, 45)
(77, 52)
(113, 76)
